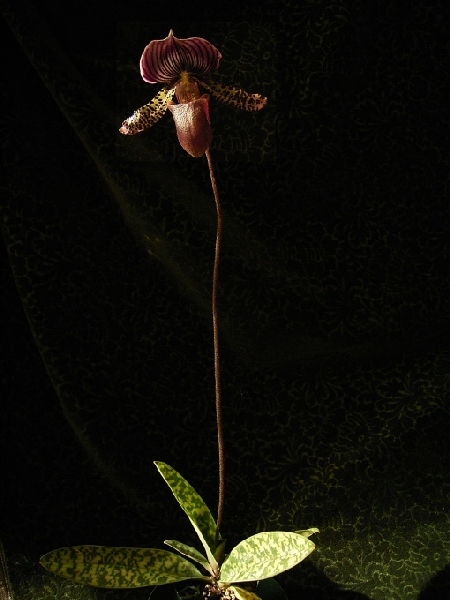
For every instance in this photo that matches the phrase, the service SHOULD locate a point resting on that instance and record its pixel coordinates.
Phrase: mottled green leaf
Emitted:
(219, 553)
(242, 594)
(265, 555)
(115, 567)
(193, 505)
(307, 532)
(189, 552)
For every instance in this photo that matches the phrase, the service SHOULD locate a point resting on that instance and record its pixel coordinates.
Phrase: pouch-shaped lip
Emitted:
(193, 125)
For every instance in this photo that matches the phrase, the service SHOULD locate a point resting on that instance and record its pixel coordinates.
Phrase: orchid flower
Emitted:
(181, 65)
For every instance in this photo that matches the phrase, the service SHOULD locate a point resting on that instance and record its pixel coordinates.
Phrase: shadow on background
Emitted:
(438, 588)
(307, 581)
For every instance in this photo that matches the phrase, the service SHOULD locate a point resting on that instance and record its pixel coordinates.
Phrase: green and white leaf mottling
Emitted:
(307, 532)
(242, 594)
(193, 505)
(265, 555)
(116, 567)
(188, 551)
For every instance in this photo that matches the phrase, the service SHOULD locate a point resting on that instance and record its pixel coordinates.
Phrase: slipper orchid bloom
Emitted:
(181, 65)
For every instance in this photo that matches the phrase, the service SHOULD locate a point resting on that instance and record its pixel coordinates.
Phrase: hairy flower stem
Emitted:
(215, 319)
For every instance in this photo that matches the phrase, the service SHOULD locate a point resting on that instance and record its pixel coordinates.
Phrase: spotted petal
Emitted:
(235, 96)
(146, 116)
(164, 60)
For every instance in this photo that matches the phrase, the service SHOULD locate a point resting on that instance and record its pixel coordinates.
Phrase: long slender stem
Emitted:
(215, 318)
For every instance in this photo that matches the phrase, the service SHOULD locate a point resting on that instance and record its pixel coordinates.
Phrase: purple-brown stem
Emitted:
(215, 319)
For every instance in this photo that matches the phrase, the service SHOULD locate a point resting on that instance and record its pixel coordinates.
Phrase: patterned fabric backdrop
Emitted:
(334, 290)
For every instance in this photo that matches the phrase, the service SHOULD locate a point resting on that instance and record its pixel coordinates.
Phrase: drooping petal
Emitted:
(193, 125)
(235, 96)
(146, 116)
(164, 60)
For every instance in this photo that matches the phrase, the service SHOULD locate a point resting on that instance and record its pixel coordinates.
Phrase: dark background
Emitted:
(334, 290)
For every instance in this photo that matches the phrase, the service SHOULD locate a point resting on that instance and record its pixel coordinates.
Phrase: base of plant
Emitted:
(267, 589)
(225, 576)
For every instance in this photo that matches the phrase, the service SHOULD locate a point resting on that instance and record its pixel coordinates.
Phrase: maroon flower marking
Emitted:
(181, 64)
(163, 60)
